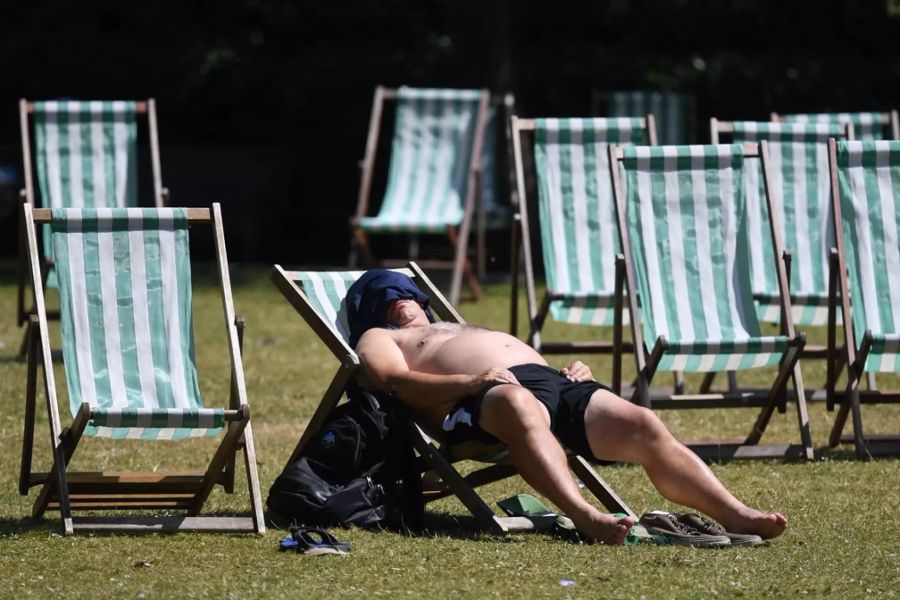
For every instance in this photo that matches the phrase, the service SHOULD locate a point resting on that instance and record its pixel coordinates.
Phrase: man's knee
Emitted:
(511, 408)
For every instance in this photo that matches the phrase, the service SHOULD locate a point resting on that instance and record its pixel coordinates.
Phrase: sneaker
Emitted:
(678, 533)
(707, 526)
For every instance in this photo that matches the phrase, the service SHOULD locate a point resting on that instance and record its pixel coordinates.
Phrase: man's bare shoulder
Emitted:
(375, 337)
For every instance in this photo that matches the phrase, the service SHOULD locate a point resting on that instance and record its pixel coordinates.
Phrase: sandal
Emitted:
(313, 541)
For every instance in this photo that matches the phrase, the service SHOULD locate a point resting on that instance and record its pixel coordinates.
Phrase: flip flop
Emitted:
(313, 541)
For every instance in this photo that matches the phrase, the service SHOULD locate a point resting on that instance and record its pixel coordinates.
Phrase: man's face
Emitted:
(406, 313)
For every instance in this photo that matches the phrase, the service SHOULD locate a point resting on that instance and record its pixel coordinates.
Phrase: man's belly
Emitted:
(474, 351)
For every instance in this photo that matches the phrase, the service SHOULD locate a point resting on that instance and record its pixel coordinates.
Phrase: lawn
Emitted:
(842, 540)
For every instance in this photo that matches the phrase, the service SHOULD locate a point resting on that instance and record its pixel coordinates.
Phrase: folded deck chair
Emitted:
(682, 221)
(85, 155)
(576, 218)
(128, 351)
(432, 177)
(866, 125)
(864, 285)
(674, 114)
(318, 297)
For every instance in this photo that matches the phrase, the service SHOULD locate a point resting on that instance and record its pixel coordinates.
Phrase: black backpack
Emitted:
(359, 469)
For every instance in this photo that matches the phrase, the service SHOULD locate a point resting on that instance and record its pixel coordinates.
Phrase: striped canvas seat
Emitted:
(430, 155)
(869, 179)
(867, 209)
(685, 211)
(576, 213)
(866, 125)
(673, 113)
(85, 156)
(683, 222)
(798, 159)
(326, 291)
(127, 331)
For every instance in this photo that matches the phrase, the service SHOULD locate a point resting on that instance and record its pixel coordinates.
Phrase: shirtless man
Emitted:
(465, 381)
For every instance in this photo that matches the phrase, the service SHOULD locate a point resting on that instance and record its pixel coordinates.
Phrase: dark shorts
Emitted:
(566, 401)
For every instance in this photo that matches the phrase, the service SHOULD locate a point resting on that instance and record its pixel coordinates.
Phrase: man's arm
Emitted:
(387, 370)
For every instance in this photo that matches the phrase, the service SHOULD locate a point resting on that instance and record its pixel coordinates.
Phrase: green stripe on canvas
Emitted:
(869, 180)
(575, 213)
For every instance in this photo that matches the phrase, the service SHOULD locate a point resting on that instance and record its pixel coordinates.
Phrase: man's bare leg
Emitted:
(621, 431)
(513, 415)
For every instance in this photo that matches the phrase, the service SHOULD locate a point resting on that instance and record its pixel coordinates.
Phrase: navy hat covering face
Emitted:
(369, 296)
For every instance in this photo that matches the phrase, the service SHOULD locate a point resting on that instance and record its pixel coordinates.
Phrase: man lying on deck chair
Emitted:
(470, 383)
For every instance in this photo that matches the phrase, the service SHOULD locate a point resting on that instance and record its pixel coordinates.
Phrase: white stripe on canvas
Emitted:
(76, 170)
(171, 302)
(801, 217)
(120, 154)
(579, 192)
(98, 160)
(889, 235)
(85, 358)
(648, 229)
(864, 254)
(109, 300)
(704, 244)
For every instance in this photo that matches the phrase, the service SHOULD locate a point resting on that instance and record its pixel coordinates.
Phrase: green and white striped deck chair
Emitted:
(682, 220)
(128, 351)
(865, 268)
(798, 156)
(431, 180)
(85, 155)
(576, 217)
(675, 114)
(866, 125)
(319, 298)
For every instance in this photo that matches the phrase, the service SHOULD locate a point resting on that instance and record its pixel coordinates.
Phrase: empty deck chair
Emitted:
(576, 218)
(682, 220)
(432, 177)
(128, 351)
(798, 156)
(318, 297)
(674, 114)
(864, 285)
(866, 125)
(85, 155)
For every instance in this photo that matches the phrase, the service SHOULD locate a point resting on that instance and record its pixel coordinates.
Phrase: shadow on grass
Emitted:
(13, 527)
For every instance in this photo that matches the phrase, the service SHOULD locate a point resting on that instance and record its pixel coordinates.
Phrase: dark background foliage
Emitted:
(263, 104)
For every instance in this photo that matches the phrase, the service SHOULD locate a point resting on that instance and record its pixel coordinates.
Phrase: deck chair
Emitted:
(865, 179)
(318, 296)
(432, 182)
(673, 113)
(128, 352)
(866, 125)
(85, 155)
(798, 155)
(682, 222)
(576, 217)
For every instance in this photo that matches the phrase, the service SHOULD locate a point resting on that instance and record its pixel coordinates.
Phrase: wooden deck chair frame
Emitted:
(461, 265)
(68, 491)
(890, 122)
(521, 242)
(648, 359)
(435, 459)
(849, 356)
(27, 195)
(716, 129)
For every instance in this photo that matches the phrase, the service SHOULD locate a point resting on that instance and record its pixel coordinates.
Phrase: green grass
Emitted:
(842, 541)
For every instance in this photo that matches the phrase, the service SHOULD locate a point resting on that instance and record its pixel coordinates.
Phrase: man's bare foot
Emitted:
(765, 525)
(605, 529)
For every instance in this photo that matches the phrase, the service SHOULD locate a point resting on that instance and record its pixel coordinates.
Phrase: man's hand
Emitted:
(577, 371)
(494, 376)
